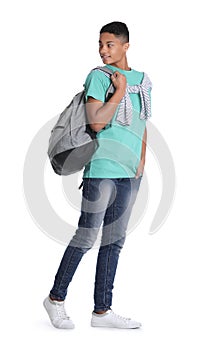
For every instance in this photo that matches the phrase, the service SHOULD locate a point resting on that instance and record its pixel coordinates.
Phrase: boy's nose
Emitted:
(102, 51)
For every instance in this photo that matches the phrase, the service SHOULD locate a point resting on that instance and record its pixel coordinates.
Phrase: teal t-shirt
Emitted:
(119, 150)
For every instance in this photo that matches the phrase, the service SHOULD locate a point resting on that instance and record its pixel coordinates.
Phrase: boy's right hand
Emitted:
(119, 82)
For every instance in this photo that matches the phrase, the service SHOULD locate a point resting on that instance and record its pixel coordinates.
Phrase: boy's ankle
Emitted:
(100, 312)
(54, 299)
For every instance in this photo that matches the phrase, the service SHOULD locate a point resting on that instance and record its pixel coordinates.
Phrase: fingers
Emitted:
(115, 75)
(137, 175)
(119, 80)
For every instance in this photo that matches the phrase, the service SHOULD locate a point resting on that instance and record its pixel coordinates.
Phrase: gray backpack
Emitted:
(72, 142)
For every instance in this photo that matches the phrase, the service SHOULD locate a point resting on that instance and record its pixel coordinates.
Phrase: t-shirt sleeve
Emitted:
(95, 86)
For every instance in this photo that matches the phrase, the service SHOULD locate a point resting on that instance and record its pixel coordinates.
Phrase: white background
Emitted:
(47, 49)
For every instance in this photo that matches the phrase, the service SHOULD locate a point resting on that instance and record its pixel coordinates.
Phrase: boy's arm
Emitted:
(99, 114)
(141, 165)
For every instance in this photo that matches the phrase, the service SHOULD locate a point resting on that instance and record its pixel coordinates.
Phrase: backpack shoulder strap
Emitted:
(108, 72)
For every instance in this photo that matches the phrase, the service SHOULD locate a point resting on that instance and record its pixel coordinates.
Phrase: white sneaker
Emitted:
(111, 320)
(57, 314)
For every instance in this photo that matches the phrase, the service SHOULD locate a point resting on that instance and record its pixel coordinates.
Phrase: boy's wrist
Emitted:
(118, 95)
(142, 160)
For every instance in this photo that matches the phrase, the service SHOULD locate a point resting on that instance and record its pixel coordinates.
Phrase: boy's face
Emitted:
(112, 49)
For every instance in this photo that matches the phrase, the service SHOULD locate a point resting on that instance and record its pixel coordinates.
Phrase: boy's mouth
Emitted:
(105, 56)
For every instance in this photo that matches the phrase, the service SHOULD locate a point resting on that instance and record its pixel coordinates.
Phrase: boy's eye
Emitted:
(109, 45)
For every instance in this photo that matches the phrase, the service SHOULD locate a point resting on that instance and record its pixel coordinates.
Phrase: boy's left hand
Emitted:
(140, 169)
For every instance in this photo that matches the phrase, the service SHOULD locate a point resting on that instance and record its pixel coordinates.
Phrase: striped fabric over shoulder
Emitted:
(125, 111)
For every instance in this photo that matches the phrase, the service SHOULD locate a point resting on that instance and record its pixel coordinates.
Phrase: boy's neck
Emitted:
(122, 65)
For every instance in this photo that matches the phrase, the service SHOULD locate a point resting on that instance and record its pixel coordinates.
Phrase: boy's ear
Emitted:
(126, 46)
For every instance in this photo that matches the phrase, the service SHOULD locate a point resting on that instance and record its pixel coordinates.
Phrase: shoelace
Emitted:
(61, 312)
(125, 319)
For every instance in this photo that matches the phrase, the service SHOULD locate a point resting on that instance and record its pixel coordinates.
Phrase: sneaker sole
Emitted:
(111, 326)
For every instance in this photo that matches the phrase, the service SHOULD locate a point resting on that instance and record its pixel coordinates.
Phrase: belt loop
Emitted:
(81, 185)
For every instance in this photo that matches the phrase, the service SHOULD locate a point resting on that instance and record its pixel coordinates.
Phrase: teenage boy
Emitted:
(110, 181)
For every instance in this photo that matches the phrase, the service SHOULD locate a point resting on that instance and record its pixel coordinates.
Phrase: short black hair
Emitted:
(118, 29)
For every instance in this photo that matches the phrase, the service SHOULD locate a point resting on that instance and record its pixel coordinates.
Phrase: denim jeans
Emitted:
(106, 202)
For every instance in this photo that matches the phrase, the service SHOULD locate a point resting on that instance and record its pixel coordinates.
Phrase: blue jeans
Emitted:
(107, 201)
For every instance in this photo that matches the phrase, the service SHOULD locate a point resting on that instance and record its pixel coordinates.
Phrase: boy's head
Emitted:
(113, 43)
(119, 29)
